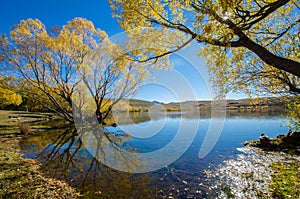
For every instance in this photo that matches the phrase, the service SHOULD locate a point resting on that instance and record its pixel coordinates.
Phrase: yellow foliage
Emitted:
(227, 27)
(75, 66)
(9, 97)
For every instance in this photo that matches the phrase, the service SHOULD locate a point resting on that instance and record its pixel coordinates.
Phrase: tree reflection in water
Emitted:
(65, 157)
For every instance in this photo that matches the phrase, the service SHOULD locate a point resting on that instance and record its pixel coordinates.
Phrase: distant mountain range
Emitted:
(260, 104)
(157, 102)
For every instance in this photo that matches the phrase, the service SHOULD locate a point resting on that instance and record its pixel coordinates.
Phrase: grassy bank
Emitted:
(22, 178)
(285, 180)
(286, 174)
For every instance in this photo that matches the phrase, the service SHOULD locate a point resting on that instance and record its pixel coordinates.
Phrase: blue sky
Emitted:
(166, 87)
(57, 12)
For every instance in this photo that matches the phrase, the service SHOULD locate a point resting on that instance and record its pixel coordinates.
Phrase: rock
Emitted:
(286, 143)
(251, 143)
(280, 136)
(296, 135)
(264, 142)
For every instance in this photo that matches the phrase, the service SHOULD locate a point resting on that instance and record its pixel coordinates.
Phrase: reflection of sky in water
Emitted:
(145, 129)
(187, 171)
(236, 130)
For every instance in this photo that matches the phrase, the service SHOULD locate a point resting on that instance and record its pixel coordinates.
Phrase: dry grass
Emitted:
(22, 178)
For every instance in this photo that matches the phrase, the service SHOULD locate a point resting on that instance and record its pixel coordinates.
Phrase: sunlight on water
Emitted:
(248, 175)
(228, 170)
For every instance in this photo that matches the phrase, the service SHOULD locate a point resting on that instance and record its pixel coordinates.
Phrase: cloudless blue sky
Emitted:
(166, 88)
(57, 12)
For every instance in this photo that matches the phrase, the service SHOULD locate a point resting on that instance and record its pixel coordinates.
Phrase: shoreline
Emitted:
(21, 177)
(289, 143)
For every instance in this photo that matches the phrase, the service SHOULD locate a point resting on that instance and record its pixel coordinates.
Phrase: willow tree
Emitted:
(249, 45)
(9, 97)
(62, 68)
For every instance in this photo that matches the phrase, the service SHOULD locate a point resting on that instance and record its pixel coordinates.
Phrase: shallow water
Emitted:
(248, 175)
(69, 155)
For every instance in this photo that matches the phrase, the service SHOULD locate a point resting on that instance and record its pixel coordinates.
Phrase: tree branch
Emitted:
(166, 53)
(264, 12)
(268, 57)
(284, 32)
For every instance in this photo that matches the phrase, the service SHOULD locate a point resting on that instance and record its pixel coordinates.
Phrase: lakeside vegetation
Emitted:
(285, 180)
(23, 178)
(33, 178)
(76, 73)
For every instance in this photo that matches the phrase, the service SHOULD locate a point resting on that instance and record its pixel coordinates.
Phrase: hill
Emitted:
(260, 104)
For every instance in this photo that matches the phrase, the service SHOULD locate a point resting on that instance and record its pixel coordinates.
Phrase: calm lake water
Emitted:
(65, 154)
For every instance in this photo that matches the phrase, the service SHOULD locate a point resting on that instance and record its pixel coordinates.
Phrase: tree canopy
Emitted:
(249, 45)
(73, 67)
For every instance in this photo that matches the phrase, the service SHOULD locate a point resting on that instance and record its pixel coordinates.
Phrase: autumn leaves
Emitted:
(73, 67)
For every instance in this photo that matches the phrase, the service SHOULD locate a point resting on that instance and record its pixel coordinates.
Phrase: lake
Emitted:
(164, 146)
